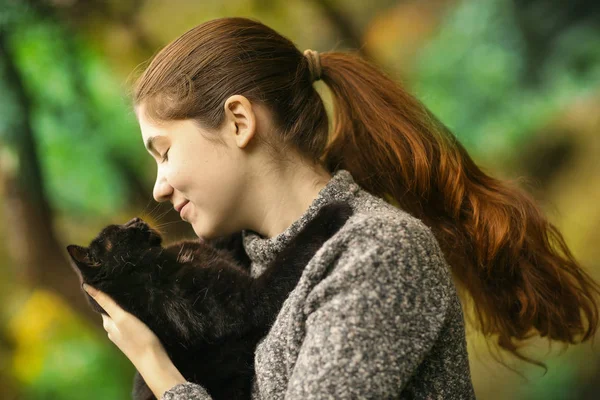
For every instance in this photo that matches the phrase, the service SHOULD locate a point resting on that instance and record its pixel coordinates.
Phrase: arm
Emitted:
(159, 373)
(165, 381)
(373, 320)
(145, 352)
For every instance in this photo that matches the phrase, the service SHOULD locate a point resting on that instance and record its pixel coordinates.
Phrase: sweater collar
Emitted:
(263, 250)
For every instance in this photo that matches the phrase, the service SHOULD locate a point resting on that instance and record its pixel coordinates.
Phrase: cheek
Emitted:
(177, 175)
(207, 177)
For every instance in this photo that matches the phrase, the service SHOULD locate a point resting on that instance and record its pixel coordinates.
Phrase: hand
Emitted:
(138, 343)
(131, 335)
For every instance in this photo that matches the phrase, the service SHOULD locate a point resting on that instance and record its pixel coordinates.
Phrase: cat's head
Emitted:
(114, 252)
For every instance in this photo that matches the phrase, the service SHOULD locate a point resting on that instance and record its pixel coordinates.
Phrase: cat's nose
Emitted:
(134, 221)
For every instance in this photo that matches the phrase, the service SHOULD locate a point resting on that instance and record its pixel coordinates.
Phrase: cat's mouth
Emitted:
(155, 238)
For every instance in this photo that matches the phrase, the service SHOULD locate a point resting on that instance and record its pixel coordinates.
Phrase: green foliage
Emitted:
(471, 76)
(81, 367)
(57, 356)
(79, 116)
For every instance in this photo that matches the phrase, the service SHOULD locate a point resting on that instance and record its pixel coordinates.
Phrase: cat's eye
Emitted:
(92, 260)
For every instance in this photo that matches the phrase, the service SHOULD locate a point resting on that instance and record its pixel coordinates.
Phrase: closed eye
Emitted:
(166, 156)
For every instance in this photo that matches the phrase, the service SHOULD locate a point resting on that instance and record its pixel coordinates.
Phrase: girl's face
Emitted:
(208, 177)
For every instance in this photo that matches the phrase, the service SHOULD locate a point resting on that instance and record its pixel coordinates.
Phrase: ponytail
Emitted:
(505, 255)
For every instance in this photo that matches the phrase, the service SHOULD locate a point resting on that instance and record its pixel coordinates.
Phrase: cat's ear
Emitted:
(80, 256)
(80, 262)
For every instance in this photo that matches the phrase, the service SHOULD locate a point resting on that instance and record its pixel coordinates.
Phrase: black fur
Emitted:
(198, 297)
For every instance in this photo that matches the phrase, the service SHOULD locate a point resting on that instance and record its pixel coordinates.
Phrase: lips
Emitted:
(180, 206)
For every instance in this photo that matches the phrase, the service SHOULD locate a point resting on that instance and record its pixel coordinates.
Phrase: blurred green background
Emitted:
(517, 81)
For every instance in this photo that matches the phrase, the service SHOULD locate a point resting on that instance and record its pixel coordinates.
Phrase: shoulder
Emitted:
(387, 227)
(378, 222)
(389, 231)
(386, 253)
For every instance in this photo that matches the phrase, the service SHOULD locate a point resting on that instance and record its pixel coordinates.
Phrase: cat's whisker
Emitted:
(147, 215)
(158, 218)
(147, 204)
(164, 224)
(153, 213)
(154, 209)
(168, 223)
(160, 227)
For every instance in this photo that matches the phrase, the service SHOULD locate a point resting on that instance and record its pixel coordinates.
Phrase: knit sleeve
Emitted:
(373, 319)
(186, 391)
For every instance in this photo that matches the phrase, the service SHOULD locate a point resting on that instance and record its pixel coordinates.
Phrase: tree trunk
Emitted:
(39, 259)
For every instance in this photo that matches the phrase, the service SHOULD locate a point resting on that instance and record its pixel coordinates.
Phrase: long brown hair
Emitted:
(504, 253)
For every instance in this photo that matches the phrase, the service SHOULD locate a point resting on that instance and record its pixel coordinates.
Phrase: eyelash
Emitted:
(166, 157)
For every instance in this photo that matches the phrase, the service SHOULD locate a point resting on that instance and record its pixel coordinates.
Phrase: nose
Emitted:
(133, 221)
(162, 190)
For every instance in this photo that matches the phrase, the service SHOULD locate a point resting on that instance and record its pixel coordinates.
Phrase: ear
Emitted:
(241, 118)
(78, 254)
(80, 259)
(80, 262)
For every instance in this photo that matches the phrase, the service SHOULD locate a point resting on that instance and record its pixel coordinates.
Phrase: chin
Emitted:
(202, 234)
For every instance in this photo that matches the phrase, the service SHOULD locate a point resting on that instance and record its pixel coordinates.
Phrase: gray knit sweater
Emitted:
(374, 316)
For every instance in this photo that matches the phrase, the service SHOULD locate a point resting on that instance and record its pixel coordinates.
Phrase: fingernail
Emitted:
(89, 289)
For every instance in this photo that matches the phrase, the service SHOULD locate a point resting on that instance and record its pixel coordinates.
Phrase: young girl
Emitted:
(240, 136)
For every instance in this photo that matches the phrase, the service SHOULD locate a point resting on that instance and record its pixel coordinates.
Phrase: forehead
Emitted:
(163, 132)
(149, 127)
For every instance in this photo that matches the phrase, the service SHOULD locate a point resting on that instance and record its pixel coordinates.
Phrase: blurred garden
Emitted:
(517, 81)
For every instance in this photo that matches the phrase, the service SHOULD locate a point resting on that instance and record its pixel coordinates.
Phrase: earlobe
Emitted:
(243, 136)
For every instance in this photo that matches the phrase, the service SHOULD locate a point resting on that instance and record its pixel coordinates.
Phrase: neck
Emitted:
(282, 195)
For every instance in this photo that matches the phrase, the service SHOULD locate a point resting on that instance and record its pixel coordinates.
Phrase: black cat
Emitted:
(198, 297)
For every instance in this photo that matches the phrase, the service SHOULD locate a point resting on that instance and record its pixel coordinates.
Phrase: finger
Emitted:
(107, 323)
(109, 326)
(104, 300)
